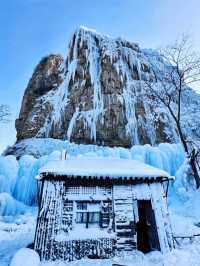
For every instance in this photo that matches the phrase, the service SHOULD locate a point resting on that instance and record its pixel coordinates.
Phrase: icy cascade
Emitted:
(97, 95)
(131, 68)
(90, 117)
(60, 98)
(22, 185)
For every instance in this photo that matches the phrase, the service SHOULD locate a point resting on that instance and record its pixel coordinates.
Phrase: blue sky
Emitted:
(30, 29)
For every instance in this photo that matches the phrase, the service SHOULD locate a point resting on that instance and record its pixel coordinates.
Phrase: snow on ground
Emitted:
(15, 233)
(188, 255)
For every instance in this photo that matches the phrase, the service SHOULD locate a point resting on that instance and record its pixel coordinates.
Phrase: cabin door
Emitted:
(147, 235)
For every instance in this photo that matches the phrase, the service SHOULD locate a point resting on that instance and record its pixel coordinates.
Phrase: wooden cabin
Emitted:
(95, 207)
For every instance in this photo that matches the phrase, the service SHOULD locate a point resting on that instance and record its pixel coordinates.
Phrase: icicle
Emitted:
(72, 123)
(129, 95)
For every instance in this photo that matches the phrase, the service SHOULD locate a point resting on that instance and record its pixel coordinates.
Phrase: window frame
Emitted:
(87, 213)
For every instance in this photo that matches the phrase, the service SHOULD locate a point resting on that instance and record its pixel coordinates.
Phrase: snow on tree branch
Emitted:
(4, 113)
(179, 68)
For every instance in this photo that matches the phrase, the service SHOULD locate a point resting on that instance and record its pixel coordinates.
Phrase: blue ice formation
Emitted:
(18, 186)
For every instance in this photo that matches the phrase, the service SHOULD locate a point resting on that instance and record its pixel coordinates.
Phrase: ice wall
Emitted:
(99, 75)
(17, 178)
(8, 173)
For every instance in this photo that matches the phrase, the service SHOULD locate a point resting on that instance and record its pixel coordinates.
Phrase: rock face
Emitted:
(97, 95)
(46, 78)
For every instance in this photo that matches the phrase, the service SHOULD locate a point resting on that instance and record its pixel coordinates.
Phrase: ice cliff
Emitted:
(97, 95)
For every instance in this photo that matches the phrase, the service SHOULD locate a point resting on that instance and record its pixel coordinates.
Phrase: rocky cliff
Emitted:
(97, 95)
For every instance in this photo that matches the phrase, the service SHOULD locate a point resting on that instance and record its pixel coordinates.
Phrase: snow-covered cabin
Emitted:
(95, 207)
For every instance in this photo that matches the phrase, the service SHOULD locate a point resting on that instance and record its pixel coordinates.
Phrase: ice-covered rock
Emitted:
(98, 95)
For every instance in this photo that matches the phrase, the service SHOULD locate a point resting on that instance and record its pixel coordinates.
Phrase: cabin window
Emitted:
(87, 213)
(87, 217)
(81, 217)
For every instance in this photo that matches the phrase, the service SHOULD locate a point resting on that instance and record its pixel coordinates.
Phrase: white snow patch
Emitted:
(15, 232)
(103, 167)
(25, 256)
(79, 233)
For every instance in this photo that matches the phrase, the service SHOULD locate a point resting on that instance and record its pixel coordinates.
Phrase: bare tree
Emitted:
(4, 113)
(181, 69)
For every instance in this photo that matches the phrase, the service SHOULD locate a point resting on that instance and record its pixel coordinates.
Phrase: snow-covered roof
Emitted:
(102, 167)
